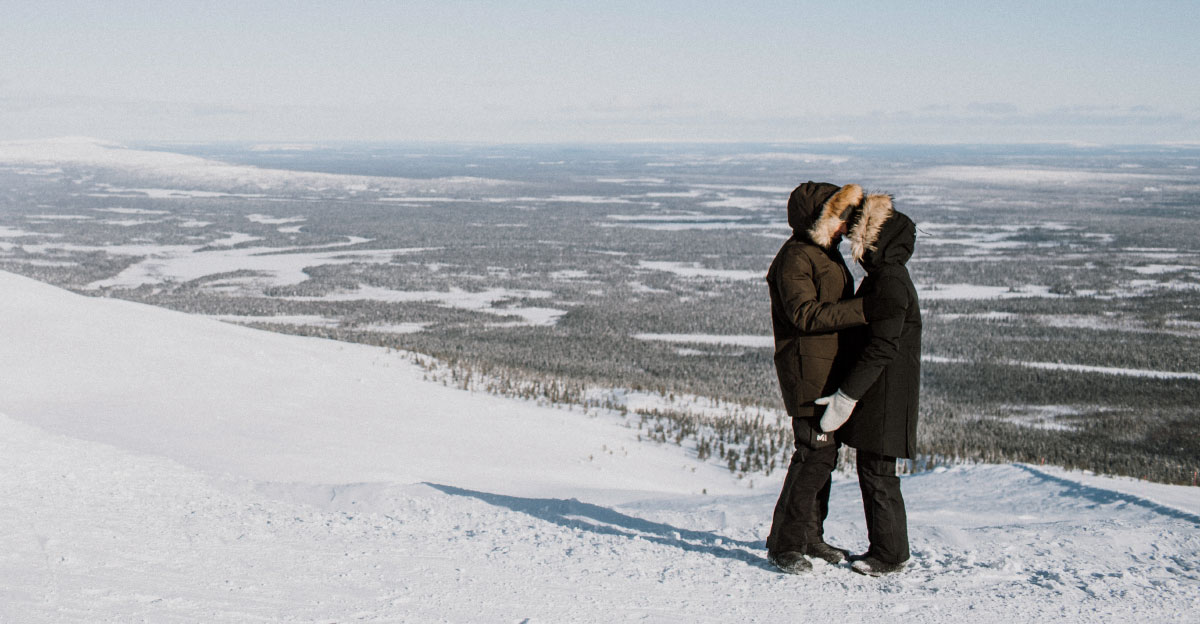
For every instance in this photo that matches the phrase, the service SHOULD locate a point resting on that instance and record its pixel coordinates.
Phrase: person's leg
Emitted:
(883, 505)
(804, 500)
(782, 517)
(821, 502)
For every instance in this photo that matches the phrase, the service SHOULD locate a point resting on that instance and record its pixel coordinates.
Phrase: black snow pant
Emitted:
(804, 502)
(887, 523)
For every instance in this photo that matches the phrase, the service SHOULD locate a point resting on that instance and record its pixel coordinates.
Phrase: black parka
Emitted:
(886, 376)
(810, 288)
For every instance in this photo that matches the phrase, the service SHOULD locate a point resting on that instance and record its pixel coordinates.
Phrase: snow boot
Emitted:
(871, 566)
(790, 561)
(821, 550)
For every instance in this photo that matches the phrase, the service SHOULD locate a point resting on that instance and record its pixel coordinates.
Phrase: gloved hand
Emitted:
(838, 407)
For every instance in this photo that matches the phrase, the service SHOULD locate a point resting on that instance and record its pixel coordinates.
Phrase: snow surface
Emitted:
(1159, 269)
(975, 291)
(1075, 368)
(713, 339)
(691, 221)
(277, 266)
(774, 190)
(787, 156)
(156, 466)
(281, 319)
(668, 218)
(8, 232)
(490, 301)
(161, 193)
(269, 220)
(745, 203)
(679, 226)
(1019, 176)
(195, 177)
(640, 180)
(694, 270)
(59, 217)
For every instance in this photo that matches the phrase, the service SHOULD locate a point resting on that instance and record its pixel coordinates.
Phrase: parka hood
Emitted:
(889, 241)
(816, 209)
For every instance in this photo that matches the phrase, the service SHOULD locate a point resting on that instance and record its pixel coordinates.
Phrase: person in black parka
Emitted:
(811, 303)
(880, 392)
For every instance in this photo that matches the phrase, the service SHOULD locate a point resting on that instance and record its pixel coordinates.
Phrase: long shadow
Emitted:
(1105, 497)
(574, 514)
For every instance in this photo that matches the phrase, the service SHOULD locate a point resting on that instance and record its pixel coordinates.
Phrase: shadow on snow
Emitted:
(1105, 497)
(573, 514)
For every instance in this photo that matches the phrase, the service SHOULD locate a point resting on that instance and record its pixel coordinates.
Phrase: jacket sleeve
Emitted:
(883, 337)
(798, 293)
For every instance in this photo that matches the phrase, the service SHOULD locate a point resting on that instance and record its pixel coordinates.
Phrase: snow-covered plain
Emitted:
(975, 291)
(1077, 368)
(693, 270)
(277, 266)
(1021, 176)
(490, 301)
(713, 339)
(156, 466)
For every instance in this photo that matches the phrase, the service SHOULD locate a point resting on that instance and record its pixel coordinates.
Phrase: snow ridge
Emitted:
(183, 172)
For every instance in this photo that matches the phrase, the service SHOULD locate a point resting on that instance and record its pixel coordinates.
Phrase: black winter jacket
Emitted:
(810, 288)
(886, 376)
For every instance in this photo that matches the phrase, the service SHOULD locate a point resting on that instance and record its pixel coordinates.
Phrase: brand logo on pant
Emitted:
(821, 437)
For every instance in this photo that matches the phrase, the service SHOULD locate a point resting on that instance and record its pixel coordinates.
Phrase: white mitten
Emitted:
(838, 407)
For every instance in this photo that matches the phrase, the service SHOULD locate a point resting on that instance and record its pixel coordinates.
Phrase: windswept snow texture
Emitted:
(156, 466)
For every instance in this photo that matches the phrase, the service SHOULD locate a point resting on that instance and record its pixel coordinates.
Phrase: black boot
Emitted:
(821, 550)
(871, 566)
(791, 562)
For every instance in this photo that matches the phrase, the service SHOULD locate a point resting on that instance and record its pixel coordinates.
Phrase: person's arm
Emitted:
(798, 293)
(888, 303)
(885, 305)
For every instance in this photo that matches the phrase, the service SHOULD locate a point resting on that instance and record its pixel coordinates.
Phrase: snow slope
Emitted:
(188, 175)
(156, 466)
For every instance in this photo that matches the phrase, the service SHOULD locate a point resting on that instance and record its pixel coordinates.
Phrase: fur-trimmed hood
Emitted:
(864, 234)
(816, 209)
(878, 240)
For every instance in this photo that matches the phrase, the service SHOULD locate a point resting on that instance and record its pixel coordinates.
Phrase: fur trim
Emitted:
(863, 236)
(833, 213)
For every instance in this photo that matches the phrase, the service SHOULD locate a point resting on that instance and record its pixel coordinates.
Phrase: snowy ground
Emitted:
(156, 466)
(192, 176)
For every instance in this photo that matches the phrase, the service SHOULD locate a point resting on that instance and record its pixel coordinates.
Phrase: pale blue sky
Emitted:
(537, 71)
